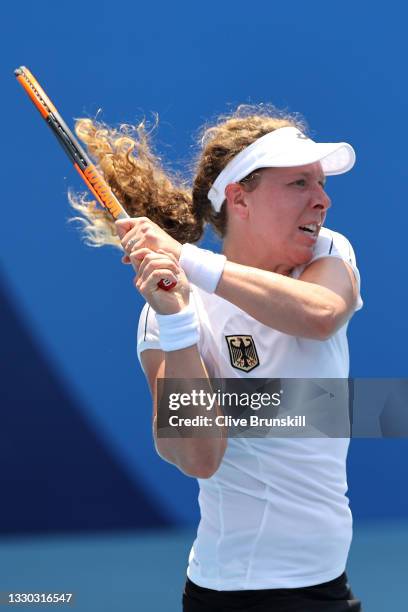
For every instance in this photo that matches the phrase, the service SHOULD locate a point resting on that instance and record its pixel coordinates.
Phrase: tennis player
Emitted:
(275, 526)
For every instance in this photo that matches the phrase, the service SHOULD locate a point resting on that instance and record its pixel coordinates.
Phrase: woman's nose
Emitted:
(321, 200)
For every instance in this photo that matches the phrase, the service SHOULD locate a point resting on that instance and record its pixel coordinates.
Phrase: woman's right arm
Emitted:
(198, 455)
(195, 456)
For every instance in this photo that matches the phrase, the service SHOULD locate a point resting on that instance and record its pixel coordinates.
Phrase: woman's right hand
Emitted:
(153, 266)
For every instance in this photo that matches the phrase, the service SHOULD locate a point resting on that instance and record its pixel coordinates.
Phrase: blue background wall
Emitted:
(75, 441)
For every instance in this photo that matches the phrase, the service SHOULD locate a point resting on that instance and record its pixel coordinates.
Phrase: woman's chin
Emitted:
(304, 255)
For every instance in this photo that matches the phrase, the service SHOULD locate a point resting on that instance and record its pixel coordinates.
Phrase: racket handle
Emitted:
(166, 285)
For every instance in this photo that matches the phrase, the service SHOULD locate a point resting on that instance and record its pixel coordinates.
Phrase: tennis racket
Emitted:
(86, 169)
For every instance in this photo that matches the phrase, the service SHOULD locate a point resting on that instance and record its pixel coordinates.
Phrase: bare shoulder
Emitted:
(334, 274)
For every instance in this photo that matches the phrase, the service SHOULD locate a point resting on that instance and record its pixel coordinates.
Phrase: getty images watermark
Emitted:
(283, 407)
(219, 401)
(207, 408)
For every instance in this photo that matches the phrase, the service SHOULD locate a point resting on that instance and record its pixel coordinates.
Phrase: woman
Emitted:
(275, 525)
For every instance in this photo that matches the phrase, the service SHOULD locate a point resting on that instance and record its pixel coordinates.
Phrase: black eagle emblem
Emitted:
(242, 352)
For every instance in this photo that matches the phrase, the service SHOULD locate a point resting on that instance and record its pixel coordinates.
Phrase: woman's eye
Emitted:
(303, 183)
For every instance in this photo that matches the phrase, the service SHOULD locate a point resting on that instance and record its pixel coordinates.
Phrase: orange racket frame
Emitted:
(86, 169)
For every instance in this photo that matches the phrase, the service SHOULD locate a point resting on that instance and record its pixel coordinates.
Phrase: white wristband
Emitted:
(203, 268)
(179, 330)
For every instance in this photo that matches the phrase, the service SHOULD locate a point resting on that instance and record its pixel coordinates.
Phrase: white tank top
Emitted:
(275, 514)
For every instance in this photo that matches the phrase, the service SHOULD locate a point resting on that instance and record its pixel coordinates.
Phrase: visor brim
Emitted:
(336, 158)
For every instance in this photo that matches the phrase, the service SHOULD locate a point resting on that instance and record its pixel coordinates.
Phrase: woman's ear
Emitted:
(236, 200)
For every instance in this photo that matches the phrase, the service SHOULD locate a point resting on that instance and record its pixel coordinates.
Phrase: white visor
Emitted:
(283, 148)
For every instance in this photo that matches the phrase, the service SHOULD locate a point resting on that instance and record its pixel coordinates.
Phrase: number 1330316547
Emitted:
(35, 598)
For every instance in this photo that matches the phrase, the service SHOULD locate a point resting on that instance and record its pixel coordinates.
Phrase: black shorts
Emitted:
(332, 596)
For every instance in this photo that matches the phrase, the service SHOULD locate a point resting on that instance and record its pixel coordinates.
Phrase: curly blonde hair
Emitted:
(146, 188)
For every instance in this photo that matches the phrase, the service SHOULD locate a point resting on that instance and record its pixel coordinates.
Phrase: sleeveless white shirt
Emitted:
(275, 514)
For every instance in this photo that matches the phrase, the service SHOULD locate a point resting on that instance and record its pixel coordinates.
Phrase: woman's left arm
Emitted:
(314, 306)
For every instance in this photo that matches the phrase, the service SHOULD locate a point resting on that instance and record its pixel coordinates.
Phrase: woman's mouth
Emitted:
(310, 228)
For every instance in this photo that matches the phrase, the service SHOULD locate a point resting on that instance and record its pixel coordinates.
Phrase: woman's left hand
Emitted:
(140, 232)
(151, 267)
